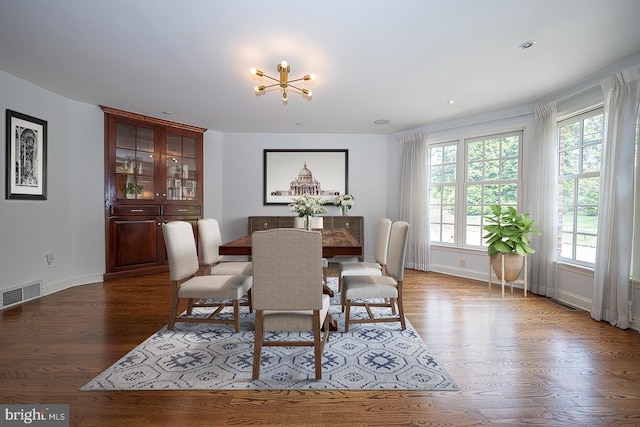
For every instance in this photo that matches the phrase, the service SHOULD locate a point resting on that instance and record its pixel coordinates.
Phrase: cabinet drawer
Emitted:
(128, 210)
(170, 210)
(350, 223)
(257, 223)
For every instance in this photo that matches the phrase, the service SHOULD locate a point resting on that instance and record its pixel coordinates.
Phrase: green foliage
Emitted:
(132, 188)
(508, 232)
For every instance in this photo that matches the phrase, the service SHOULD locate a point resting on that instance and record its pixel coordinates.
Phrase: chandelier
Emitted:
(283, 82)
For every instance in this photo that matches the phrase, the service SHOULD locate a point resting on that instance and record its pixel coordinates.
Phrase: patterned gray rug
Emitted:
(200, 356)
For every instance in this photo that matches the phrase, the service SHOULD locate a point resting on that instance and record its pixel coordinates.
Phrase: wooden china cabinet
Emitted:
(153, 174)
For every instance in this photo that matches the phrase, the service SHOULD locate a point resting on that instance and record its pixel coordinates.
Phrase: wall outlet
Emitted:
(50, 259)
(463, 262)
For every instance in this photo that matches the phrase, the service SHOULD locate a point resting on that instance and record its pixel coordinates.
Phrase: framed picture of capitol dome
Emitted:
(294, 173)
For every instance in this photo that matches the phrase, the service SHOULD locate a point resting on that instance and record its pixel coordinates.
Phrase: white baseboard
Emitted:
(70, 283)
(574, 300)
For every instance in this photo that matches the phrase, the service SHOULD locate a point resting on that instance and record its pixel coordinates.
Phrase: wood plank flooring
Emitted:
(518, 361)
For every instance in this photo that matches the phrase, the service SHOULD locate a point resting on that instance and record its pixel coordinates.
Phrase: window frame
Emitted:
(461, 184)
(442, 184)
(578, 117)
(485, 207)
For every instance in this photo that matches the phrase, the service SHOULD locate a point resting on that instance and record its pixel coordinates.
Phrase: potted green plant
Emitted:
(130, 189)
(507, 235)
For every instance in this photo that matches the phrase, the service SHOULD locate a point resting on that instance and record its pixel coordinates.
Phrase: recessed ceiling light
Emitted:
(451, 101)
(382, 122)
(527, 44)
(166, 113)
(299, 123)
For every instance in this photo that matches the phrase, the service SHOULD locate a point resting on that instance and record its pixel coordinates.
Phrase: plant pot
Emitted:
(513, 264)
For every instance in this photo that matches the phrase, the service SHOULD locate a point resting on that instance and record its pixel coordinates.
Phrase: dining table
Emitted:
(335, 242)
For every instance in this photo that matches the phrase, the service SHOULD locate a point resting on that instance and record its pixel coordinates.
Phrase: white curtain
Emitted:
(541, 187)
(612, 287)
(414, 196)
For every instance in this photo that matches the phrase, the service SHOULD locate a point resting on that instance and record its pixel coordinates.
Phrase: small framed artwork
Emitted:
(26, 168)
(293, 173)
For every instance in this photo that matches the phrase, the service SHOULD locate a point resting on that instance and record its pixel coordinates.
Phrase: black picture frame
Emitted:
(26, 157)
(325, 172)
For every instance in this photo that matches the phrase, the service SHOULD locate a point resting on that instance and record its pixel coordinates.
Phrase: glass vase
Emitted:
(345, 210)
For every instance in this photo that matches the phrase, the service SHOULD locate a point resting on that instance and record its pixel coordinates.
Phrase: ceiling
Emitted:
(402, 60)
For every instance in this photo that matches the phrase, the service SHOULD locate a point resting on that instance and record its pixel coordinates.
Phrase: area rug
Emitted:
(201, 356)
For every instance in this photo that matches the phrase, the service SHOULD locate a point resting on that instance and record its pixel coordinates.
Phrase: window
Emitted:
(579, 156)
(442, 199)
(492, 177)
(491, 167)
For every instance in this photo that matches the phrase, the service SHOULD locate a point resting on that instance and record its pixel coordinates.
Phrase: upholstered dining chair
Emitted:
(317, 223)
(377, 268)
(217, 291)
(385, 291)
(287, 292)
(210, 241)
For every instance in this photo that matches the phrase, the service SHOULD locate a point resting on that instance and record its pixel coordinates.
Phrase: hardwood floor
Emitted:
(517, 361)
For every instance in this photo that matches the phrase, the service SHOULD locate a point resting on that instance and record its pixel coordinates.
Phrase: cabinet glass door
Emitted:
(135, 168)
(181, 167)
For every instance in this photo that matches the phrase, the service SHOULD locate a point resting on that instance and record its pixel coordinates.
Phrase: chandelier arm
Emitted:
(268, 86)
(269, 77)
(295, 87)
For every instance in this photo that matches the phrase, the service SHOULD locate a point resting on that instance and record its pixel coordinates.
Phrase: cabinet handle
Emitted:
(265, 225)
(137, 210)
(346, 225)
(183, 210)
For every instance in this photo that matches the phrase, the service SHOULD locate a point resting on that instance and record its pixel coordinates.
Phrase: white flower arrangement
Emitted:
(344, 201)
(308, 205)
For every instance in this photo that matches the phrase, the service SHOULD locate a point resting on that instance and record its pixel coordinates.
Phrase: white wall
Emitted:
(243, 181)
(70, 223)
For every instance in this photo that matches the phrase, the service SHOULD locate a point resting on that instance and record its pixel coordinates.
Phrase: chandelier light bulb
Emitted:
(310, 77)
(284, 96)
(284, 64)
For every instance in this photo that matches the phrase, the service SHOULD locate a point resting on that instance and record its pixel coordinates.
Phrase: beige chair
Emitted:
(356, 290)
(377, 268)
(317, 223)
(210, 241)
(287, 292)
(217, 291)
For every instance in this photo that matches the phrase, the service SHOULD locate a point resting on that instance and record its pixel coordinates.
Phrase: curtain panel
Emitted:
(540, 187)
(612, 285)
(414, 197)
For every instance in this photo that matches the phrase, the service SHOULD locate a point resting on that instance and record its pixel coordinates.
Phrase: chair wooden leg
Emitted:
(403, 323)
(346, 315)
(250, 301)
(317, 343)
(257, 345)
(236, 314)
(175, 302)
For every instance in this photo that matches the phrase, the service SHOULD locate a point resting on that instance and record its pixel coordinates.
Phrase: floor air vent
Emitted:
(562, 304)
(20, 294)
